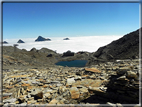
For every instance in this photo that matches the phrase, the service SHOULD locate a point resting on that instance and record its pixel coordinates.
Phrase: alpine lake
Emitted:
(74, 63)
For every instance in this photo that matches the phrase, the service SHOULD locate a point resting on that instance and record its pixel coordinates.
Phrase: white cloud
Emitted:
(75, 44)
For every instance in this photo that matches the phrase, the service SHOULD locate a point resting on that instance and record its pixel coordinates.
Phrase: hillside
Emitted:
(126, 47)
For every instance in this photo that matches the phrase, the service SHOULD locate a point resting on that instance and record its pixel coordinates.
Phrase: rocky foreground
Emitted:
(112, 83)
(112, 76)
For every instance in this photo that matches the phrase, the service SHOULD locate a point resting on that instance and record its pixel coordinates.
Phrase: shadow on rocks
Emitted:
(118, 91)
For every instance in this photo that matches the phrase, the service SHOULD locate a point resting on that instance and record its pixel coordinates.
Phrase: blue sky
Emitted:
(29, 20)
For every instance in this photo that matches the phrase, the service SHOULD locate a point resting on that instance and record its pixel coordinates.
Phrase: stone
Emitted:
(31, 102)
(70, 81)
(78, 78)
(37, 94)
(45, 86)
(7, 94)
(23, 104)
(122, 70)
(46, 95)
(17, 81)
(95, 89)
(21, 99)
(94, 70)
(58, 85)
(9, 87)
(111, 104)
(131, 74)
(122, 78)
(54, 101)
(35, 82)
(26, 82)
(25, 85)
(88, 82)
(49, 90)
(74, 93)
(12, 100)
(83, 90)
(62, 89)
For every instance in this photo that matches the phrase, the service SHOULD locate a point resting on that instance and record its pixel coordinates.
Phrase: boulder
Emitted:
(37, 94)
(122, 70)
(131, 74)
(74, 93)
(68, 53)
(70, 81)
(54, 101)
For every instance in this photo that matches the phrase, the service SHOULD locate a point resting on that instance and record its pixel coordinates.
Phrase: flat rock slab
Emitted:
(94, 70)
(95, 89)
(17, 76)
(7, 94)
(70, 81)
(123, 70)
(46, 95)
(54, 101)
(84, 90)
(88, 82)
(74, 93)
(131, 74)
(12, 100)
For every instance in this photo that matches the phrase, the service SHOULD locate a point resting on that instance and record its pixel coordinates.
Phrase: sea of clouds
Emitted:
(75, 44)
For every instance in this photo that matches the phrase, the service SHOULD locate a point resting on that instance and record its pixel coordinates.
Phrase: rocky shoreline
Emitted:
(111, 83)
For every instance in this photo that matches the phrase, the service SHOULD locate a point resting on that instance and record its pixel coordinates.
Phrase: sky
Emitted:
(29, 20)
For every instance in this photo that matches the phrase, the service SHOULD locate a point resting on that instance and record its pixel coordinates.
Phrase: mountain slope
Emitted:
(124, 48)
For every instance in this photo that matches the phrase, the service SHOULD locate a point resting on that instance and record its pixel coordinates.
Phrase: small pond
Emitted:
(74, 63)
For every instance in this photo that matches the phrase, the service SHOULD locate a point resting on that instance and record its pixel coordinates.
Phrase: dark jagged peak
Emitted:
(20, 41)
(4, 42)
(66, 39)
(40, 38)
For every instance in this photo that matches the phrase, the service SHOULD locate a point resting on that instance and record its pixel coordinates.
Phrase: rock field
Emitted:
(111, 77)
(112, 83)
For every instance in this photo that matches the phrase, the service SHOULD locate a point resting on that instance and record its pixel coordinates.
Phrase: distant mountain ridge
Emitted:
(124, 48)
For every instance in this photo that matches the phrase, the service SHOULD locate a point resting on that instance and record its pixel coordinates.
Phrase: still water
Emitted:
(74, 63)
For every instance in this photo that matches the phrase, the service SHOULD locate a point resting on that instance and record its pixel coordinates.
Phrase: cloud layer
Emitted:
(75, 44)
